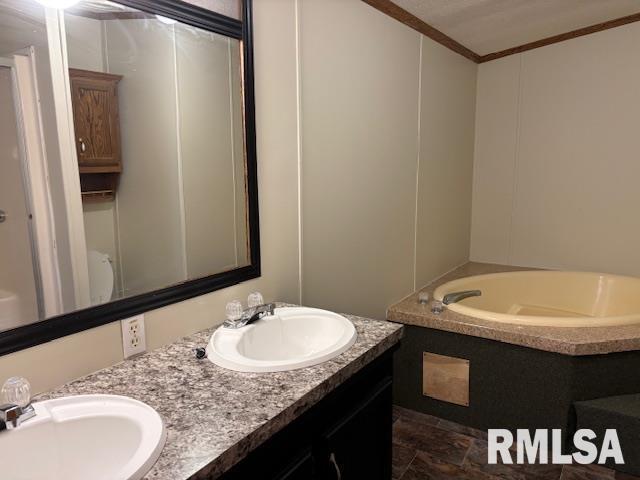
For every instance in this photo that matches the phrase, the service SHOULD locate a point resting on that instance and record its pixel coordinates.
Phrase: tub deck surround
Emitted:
(564, 340)
(215, 417)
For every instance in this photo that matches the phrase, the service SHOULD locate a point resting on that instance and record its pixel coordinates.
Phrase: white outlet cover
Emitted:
(133, 336)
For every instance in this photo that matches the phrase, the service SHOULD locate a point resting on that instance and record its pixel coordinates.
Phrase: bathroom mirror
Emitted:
(128, 154)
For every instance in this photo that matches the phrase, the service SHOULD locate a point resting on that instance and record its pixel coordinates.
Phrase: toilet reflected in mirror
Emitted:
(100, 277)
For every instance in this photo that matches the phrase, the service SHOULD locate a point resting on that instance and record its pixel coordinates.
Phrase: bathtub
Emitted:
(549, 298)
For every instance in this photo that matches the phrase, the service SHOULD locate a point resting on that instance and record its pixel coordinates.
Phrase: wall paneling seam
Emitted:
(299, 142)
(516, 163)
(474, 167)
(183, 213)
(419, 145)
(119, 273)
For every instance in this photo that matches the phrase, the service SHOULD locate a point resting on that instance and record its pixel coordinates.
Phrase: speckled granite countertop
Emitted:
(568, 341)
(214, 417)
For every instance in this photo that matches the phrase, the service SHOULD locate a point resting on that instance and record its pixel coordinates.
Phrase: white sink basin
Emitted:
(294, 337)
(102, 437)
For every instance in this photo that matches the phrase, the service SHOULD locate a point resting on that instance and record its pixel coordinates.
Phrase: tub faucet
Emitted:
(251, 315)
(455, 297)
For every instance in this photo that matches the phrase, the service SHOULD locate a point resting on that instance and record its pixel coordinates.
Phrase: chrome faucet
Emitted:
(12, 416)
(455, 297)
(251, 315)
(17, 392)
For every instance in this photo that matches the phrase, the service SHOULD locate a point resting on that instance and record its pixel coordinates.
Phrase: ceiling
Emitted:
(488, 26)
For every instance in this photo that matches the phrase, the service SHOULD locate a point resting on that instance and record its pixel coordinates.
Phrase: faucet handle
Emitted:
(255, 299)
(437, 307)
(234, 310)
(16, 391)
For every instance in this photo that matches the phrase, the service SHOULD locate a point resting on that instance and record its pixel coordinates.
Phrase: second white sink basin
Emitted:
(294, 337)
(101, 437)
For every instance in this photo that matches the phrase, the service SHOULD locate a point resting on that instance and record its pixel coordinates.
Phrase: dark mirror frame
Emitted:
(80, 320)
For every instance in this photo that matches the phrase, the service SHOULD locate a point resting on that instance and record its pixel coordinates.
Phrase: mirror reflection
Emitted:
(123, 160)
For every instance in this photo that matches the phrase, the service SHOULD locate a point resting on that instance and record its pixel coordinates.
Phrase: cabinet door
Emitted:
(268, 463)
(95, 115)
(359, 446)
(301, 469)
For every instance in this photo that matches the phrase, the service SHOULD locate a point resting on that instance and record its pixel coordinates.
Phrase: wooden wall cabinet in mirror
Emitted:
(94, 96)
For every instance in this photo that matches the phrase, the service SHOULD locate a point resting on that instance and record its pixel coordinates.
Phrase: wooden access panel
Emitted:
(94, 96)
(445, 378)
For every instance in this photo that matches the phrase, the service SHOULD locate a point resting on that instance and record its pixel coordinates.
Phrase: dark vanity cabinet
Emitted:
(346, 436)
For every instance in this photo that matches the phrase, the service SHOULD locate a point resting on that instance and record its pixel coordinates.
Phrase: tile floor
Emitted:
(429, 448)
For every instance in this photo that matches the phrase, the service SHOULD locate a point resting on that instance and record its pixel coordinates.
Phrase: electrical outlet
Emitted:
(133, 339)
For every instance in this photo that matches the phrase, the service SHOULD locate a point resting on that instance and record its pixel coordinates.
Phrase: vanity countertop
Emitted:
(215, 417)
(564, 340)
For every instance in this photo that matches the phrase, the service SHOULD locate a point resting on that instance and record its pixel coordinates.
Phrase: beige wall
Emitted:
(85, 43)
(448, 99)
(231, 8)
(55, 362)
(556, 168)
(149, 211)
(359, 149)
(373, 109)
(205, 125)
